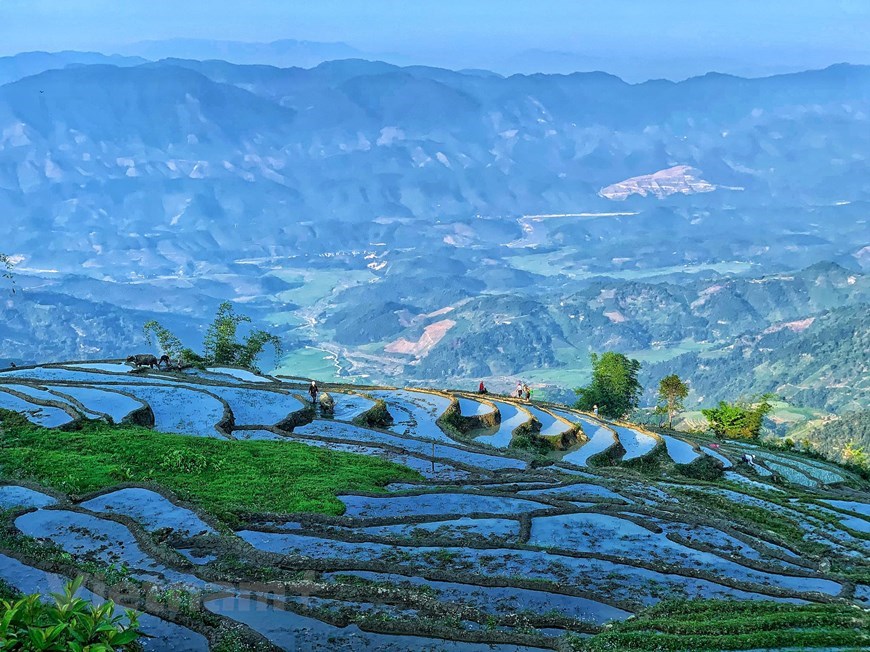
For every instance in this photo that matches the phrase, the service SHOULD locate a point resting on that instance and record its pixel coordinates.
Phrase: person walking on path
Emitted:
(312, 391)
(518, 392)
(595, 409)
(481, 389)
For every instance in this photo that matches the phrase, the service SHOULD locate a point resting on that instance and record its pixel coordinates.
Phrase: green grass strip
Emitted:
(646, 641)
(223, 477)
(737, 625)
(698, 625)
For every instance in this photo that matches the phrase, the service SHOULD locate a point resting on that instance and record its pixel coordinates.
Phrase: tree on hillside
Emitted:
(672, 392)
(166, 340)
(738, 420)
(221, 345)
(614, 387)
(843, 438)
(855, 455)
(6, 269)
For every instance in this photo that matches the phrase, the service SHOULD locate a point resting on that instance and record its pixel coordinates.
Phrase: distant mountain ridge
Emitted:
(13, 68)
(519, 145)
(283, 52)
(342, 202)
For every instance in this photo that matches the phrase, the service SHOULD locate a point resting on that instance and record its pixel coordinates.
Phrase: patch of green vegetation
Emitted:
(703, 468)
(377, 416)
(752, 516)
(354, 580)
(707, 625)
(668, 352)
(232, 639)
(560, 379)
(8, 592)
(529, 442)
(225, 478)
(314, 286)
(69, 623)
(11, 539)
(738, 420)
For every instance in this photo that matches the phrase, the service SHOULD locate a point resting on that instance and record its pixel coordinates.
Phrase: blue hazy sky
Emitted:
(441, 31)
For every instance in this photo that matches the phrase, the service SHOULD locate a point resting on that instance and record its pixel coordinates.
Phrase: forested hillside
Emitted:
(823, 362)
(835, 438)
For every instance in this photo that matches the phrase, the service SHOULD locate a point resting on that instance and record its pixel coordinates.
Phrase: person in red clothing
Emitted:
(481, 389)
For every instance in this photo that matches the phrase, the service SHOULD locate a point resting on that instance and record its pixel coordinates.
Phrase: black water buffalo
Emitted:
(143, 360)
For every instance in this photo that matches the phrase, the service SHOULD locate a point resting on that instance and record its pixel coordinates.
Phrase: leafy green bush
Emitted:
(13, 421)
(737, 420)
(703, 468)
(856, 455)
(71, 624)
(528, 441)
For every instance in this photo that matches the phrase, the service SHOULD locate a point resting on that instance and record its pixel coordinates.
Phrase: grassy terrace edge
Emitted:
(718, 625)
(224, 478)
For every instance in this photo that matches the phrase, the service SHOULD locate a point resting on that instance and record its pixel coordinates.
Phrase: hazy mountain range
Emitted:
(283, 53)
(630, 60)
(424, 223)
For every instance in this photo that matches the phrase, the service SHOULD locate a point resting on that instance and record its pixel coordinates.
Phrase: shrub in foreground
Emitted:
(68, 623)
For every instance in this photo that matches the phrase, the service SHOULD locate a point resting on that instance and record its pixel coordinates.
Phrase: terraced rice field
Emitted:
(490, 547)
(550, 425)
(601, 438)
(469, 407)
(635, 442)
(512, 416)
(414, 413)
(38, 413)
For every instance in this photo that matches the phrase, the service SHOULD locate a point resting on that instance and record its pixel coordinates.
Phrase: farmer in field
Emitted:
(312, 391)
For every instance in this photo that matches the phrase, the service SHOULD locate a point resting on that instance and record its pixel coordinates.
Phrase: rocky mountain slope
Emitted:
(678, 179)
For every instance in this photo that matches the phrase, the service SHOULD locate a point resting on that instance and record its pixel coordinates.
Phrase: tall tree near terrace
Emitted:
(221, 344)
(614, 388)
(672, 393)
